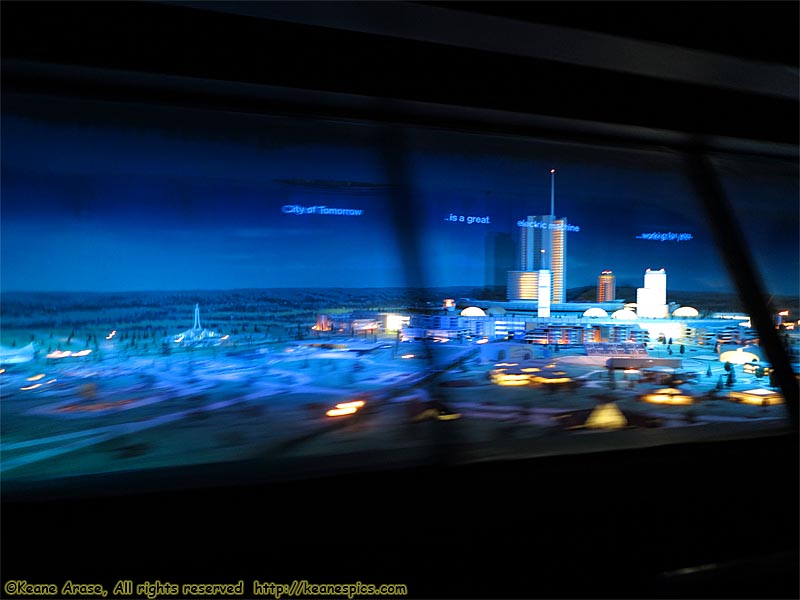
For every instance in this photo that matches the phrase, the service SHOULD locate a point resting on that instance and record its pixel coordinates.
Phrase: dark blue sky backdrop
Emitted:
(112, 197)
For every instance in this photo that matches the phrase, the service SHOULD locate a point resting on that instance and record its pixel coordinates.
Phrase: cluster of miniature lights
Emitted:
(67, 353)
(35, 378)
(345, 408)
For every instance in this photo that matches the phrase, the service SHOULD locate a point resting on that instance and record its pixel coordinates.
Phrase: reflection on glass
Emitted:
(184, 287)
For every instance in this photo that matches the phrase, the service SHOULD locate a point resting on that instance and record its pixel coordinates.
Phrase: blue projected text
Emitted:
(295, 209)
(665, 237)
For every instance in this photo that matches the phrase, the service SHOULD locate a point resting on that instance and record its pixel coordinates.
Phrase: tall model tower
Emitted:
(196, 325)
(606, 287)
(651, 300)
(543, 246)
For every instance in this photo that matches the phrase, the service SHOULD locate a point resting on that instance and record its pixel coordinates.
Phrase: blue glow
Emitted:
(104, 197)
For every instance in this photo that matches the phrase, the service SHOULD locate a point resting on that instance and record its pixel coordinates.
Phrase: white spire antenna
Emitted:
(552, 193)
(196, 317)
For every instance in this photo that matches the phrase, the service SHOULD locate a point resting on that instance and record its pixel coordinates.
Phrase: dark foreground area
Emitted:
(713, 519)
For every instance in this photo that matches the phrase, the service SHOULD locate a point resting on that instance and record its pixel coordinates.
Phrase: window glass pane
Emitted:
(764, 195)
(189, 286)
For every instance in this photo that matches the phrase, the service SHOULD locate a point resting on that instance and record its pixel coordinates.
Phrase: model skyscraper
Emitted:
(543, 246)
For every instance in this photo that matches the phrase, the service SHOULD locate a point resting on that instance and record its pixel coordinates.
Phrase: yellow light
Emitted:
(753, 367)
(509, 383)
(2, 370)
(224, 337)
(758, 397)
(353, 404)
(407, 356)
(339, 412)
(511, 379)
(606, 416)
(179, 339)
(784, 313)
(82, 352)
(515, 377)
(59, 354)
(531, 370)
(52, 381)
(762, 401)
(503, 364)
(482, 341)
(551, 380)
(737, 357)
(671, 396)
(630, 371)
(31, 387)
(36, 377)
(449, 417)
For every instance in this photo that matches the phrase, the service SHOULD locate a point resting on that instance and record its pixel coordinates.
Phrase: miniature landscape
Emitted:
(140, 400)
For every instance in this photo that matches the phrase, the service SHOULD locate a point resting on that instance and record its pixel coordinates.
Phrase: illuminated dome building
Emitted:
(686, 312)
(739, 356)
